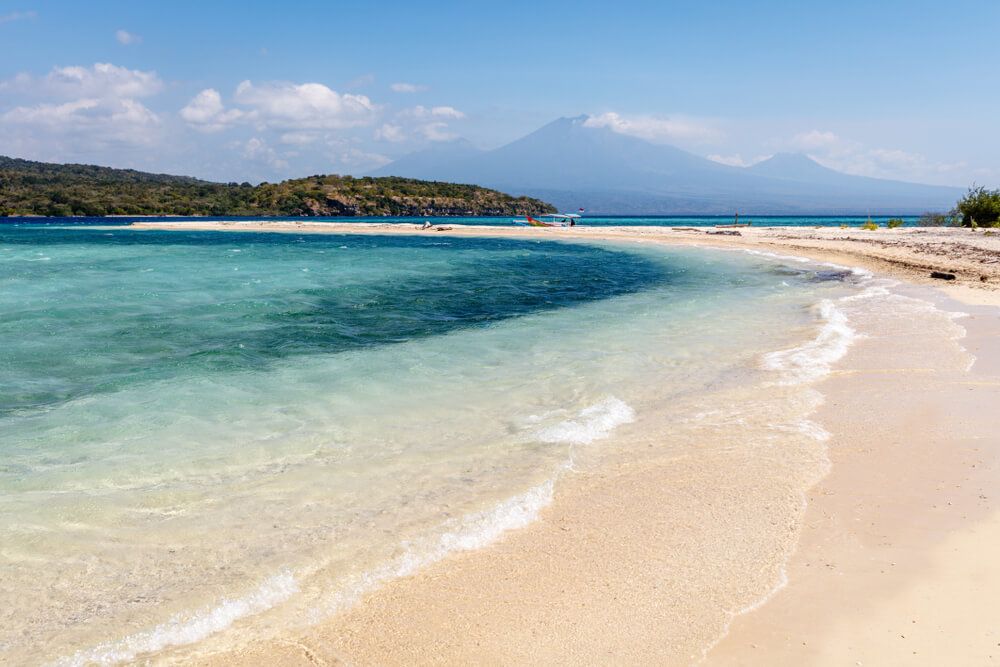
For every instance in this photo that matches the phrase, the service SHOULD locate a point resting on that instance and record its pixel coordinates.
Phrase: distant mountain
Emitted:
(573, 165)
(41, 188)
(437, 154)
(797, 167)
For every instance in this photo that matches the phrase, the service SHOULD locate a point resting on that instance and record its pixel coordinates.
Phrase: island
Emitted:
(30, 188)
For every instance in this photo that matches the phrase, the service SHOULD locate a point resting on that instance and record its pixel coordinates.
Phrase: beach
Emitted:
(884, 559)
(677, 343)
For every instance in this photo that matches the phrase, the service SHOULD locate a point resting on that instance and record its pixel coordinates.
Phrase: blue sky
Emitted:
(254, 90)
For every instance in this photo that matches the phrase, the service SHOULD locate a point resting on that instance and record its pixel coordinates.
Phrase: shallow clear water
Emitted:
(203, 428)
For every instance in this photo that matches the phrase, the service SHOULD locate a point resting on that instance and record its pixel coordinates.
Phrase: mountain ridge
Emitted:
(576, 165)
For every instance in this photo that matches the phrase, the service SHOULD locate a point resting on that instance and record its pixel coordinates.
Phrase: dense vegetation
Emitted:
(979, 208)
(39, 188)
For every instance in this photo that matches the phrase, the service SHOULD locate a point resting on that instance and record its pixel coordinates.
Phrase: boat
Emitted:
(550, 220)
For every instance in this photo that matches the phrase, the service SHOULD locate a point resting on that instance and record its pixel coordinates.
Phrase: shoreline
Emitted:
(894, 561)
(791, 624)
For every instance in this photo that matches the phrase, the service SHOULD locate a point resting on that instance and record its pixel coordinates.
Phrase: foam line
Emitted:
(814, 359)
(180, 630)
(473, 531)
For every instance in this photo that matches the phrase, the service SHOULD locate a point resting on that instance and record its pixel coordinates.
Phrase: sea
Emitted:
(211, 435)
(587, 220)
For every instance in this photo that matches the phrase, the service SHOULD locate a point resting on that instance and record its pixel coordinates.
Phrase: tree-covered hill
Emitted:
(40, 188)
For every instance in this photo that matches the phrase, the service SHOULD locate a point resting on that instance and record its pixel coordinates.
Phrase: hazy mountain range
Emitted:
(573, 165)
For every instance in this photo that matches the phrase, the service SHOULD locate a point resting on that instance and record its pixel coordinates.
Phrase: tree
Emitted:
(979, 207)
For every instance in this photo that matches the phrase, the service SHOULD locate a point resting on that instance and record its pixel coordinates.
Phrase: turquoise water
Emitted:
(203, 430)
(151, 306)
(590, 221)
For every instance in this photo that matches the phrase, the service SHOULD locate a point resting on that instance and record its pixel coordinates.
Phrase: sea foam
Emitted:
(814, 359)
(480, 529)
(473, 531)
(592, 423)
(182, 630)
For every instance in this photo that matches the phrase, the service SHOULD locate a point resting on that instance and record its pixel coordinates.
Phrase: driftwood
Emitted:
(725, 233)
(941, 275)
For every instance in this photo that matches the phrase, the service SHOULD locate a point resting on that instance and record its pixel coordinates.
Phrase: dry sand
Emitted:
(895, 561)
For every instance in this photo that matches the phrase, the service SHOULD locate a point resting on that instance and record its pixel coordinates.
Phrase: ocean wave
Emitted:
(181, 630)
(592, 423)
(473, 531)
(854, 270)
(469, 533)
(480, 529)
(814, 359)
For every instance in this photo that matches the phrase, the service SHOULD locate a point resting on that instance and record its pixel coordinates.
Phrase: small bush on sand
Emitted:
(893, 223)
(939, 220)
(870, 226)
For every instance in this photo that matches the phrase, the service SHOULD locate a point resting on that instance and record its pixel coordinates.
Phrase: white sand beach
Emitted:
(646, 560)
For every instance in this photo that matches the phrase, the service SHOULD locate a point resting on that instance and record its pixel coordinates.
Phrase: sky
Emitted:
(236, 91)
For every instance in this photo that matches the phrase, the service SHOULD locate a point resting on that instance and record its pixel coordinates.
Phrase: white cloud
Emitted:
(101, 80)
(80, 125)
(737, 160)
(49, 113)
(125, 37)
(402, 87)
(855, 157)
(447, 112)
(390, 132)
(816, 139)
(304, 106)
(257, 149)
(86, 112)
(437, 132)
(655, 128)
(422, 112)
(363, 160)
(430, 123)
(82, 110)
(16, 16)
(206, 112)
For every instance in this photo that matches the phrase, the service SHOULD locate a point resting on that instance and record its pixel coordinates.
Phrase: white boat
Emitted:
(550, 220)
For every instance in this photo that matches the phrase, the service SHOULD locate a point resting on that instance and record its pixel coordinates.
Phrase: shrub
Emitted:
(979, 206)
(893, 223)
(939, 220)
(870, 226)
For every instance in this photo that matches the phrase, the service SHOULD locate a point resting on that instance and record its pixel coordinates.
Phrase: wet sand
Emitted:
(892, 559)
(896, 562)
